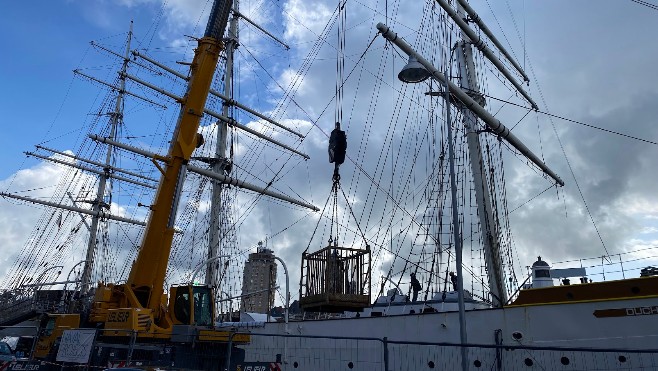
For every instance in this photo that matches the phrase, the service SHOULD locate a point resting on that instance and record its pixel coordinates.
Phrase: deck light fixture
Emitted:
(413, 72)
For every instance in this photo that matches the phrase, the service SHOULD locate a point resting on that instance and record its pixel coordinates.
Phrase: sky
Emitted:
(594, 66)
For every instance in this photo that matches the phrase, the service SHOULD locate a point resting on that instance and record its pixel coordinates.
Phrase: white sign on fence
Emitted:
(75, 346)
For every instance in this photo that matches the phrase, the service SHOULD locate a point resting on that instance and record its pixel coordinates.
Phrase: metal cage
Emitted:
(335, 279)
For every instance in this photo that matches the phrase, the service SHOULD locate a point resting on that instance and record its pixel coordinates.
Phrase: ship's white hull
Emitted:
(631, 325)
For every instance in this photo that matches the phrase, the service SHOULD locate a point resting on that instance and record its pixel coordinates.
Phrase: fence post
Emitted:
(133, 336)
(498, 337)
(35, 340)
(228, 351)
(93, 346)
(385, 341)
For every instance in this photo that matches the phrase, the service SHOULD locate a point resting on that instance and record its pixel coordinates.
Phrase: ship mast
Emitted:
(221, 164)
(490, 231)
(483, 197)
(116, 118)
(472, 104)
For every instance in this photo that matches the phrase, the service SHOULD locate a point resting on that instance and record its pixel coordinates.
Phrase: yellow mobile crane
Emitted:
(139, 308)
(140, 304)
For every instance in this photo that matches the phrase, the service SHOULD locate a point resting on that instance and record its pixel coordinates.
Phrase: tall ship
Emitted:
(395, 250)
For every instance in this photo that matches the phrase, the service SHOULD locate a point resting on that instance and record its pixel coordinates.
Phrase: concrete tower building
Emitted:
(259, 276)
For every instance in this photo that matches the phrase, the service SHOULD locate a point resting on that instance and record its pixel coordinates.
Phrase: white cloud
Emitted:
(291, 78)
(134, 3)
(185, 14)
(304, 20)
(19, 218)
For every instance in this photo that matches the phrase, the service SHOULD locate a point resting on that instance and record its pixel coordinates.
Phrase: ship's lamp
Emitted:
(413, 72)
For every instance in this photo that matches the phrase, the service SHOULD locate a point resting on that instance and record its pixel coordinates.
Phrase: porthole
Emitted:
(430, 364)
(528, 362)
(477, 363)
(622, 359)
(295, 365)
(350, 365)
(517, 335)
(564, 360)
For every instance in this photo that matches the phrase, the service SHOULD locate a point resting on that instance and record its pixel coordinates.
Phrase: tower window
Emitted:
(542, 273)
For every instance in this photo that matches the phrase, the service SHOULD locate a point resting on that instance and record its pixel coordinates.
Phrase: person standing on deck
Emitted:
(415, 286)
(455, 282)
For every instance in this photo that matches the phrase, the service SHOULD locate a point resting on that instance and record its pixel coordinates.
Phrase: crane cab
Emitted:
(191, 305)
(51, 328)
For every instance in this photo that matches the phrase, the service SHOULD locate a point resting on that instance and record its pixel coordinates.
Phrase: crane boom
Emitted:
(147, 274)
